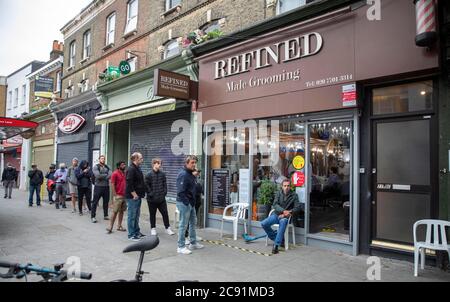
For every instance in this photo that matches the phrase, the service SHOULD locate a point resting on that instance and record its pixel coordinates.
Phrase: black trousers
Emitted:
(197, 207)
(100, 192)
(162, 207)
(84, 192)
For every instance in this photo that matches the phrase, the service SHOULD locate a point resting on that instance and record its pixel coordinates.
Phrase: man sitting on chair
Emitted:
(286, 204)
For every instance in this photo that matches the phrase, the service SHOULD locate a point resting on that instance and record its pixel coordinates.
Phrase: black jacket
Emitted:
(156, 183)
(84, 178)
(135, 182)
(186, 184)
(9, 174)
(36, 177)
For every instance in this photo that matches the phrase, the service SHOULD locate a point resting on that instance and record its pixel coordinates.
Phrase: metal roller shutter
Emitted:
(152, 137)
(66, 152)
(43, 157)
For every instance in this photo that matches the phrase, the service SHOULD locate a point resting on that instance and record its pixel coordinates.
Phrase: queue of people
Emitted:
(129, 186)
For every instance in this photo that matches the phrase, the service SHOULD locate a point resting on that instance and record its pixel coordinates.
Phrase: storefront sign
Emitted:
(349, 95)
(298, 162)
(278, 53)
(125, 67)
(172, 85)
(220, 188)
(298, 179)
(71, 123)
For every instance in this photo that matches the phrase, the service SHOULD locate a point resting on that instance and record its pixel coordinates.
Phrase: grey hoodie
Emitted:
(102, 175)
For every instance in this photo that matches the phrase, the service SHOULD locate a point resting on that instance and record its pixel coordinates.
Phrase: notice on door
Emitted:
(220, 188)
(244, 185)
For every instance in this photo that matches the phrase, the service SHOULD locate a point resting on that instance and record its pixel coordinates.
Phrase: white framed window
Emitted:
(72, 54)
(287, 5)
(58, 81)
(24, 94)
(87, 44)
(133, 63)
(10, 100)
(110, 28)
(172, 48)
(211, 26)
(132, 15)
(16, 97)
(172, 3)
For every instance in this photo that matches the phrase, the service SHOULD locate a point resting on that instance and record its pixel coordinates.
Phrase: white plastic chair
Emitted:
(438, 243)
(290, 226)
(238, 214)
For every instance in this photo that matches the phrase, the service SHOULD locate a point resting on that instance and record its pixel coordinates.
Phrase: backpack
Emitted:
(93, 175)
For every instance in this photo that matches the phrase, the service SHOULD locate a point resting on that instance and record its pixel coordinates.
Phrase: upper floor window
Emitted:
(172, 48)
(172, 3)
(10, 97)
(16, 97)
(211, 26)
(58, 81)
(24, 94)
(132, 15)
(87, 44)
(287, 5)
(110, 29)
(72, 54)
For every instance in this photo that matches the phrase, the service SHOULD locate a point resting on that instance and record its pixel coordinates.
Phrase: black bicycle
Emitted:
(55, 274)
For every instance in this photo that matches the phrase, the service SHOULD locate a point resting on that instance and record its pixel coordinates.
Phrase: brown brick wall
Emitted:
(153, 31)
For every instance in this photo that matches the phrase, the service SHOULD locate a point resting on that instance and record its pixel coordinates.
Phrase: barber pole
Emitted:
(426, 22)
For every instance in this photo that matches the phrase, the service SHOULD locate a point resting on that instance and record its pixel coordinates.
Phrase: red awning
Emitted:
(11, 127)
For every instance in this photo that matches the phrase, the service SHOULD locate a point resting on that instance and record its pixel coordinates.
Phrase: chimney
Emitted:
(56, 50)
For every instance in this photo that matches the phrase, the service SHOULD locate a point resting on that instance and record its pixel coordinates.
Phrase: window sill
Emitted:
(84, 60)
(129, 34)
(70, 68)
(110, 45)
(171, 10)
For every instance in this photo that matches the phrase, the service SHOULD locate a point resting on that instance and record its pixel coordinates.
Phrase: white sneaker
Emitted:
(184, 251)
(169, 231)
(196, 246)
(153, 232)
(199, 238)
(187, 241)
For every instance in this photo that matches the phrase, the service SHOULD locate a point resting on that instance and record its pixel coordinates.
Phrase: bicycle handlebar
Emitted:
(16, 268)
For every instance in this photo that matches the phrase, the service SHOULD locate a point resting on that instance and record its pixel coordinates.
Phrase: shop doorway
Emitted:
(330, 178)
(401, 177)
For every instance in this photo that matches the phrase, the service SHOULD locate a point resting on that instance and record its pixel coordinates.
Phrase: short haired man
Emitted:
(50, 176)
(186, 184)
(156, 183)
(135, 191)
(118, 186)
(61, 181)
(102, 174)
(286, 204)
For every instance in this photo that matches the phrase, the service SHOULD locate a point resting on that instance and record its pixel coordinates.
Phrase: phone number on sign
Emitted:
(329, 81)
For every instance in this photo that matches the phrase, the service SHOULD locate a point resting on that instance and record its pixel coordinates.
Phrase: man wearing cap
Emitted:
(9, 179)
(36, 181)
(73, 183)
(51, 176)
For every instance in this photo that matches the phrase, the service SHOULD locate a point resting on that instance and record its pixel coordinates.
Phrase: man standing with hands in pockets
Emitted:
(135, 191)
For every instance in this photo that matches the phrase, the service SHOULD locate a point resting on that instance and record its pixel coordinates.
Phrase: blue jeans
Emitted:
(273, 235)
(36, 188)
(134, 211)
(187, 216)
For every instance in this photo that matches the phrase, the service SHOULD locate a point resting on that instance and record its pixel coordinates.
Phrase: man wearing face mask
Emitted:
(61, 180)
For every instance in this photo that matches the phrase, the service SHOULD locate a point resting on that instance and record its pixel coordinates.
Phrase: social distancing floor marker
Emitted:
(221, 243)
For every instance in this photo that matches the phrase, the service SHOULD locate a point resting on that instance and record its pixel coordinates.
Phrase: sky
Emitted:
(28, 28)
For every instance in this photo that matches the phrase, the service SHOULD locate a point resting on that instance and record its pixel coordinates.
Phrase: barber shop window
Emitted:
(281, 155)
(404, 98)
